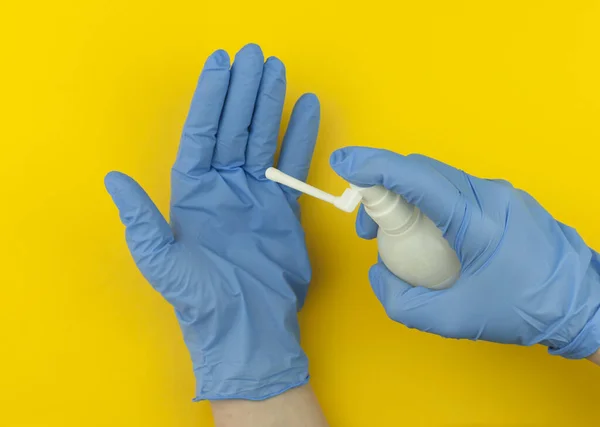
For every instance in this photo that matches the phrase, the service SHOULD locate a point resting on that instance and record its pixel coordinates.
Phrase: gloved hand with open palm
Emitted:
(232, 261)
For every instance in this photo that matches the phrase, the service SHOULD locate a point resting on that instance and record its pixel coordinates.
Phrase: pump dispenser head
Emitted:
(370, 195)
(388, 209)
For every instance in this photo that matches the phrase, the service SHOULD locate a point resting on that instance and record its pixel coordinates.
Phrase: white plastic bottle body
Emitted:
(419, 254)
(410, 244)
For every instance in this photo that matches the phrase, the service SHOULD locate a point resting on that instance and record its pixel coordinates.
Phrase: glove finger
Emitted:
(200, 128)
(300, 139)
(441, 312)
(418, 183)
(366, 228)
(456, 176)
(148, 235)
(389, 289)
(264, 131)
(246, 74)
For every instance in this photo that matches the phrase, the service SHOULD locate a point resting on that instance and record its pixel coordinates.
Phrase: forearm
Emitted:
(297, 407)
(595, 358)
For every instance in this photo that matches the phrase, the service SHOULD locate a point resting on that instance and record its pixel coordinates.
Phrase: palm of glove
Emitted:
(233, 260)
(240, 238)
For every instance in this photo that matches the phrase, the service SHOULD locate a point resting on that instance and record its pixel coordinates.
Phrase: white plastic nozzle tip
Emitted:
(347, 202)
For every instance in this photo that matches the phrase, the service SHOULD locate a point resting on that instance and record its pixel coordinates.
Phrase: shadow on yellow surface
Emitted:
(506, 89)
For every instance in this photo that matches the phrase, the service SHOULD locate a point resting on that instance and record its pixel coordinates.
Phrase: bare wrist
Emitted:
(297, 407)
(595, 358)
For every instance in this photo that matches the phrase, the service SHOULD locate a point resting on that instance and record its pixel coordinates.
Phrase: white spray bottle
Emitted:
(410, 244)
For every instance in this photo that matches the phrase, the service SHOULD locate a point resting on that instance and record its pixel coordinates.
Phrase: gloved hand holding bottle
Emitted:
(525, 278)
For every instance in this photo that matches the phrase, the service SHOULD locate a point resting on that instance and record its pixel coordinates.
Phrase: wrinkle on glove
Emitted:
(525, 278)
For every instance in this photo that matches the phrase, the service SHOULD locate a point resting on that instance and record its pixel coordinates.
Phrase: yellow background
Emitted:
(505, 89)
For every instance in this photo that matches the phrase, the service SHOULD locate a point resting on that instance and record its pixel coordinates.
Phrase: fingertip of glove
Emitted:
(338, 156)
(309, 102)
(390, 289)
(343, 156)
(337, 162)
(364, 234)
(365, 227)
(250, 52)
(310, 97)
(219, 59)
(118, 185)
(251, 48)
(375, 280)
(274, 64)
(111, 181)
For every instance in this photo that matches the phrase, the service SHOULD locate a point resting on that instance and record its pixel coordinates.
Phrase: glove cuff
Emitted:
(210, 385)
(586, 343)
(251, 361)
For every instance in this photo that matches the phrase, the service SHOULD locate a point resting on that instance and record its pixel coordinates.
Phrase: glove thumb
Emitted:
(148, 234)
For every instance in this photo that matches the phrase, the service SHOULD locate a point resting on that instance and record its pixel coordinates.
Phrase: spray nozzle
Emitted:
(347, 202)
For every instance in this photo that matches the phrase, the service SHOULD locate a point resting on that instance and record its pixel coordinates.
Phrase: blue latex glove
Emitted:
(525, 278)
(232, 261)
